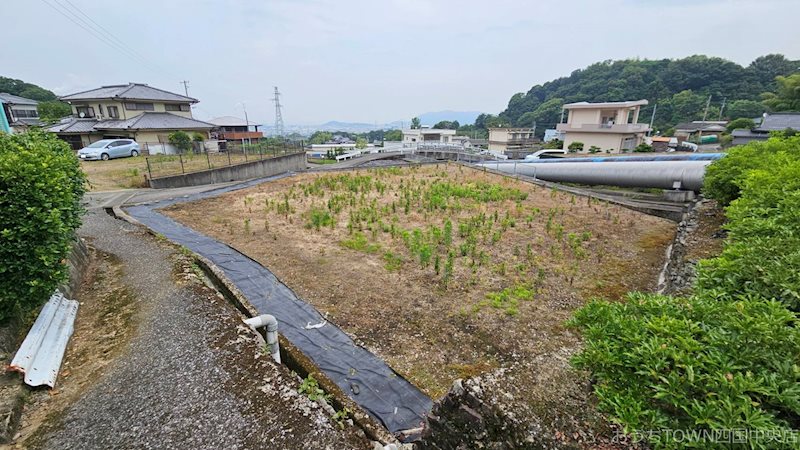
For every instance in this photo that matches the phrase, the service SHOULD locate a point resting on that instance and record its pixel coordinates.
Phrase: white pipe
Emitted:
(269, 321)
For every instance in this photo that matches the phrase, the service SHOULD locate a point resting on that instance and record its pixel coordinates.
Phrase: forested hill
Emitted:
(50, 108)
(680, 87)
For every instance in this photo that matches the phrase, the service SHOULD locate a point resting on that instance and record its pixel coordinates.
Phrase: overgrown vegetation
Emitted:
(726, 357)
(41, 186)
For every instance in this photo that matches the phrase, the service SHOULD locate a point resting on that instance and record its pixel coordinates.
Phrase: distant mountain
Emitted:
(463, 117)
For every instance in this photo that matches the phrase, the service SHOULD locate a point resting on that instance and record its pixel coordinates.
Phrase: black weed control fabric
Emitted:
(371, 383)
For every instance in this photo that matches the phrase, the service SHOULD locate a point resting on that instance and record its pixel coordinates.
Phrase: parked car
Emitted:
(545, 154)
(109, 148)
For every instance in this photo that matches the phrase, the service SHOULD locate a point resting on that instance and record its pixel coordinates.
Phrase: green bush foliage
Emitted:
(41, 186)
(180, 140)
(726, 357)
(699, 363)
(724, 177)
(575, 147)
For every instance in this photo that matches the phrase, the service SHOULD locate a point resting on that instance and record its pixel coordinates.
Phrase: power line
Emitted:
(108, 33)
(80, 22)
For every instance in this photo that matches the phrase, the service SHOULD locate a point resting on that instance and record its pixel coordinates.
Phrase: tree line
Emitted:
(50, 107)
(680, 87)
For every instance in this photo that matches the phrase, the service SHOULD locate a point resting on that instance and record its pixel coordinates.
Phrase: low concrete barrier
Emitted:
(239, 172)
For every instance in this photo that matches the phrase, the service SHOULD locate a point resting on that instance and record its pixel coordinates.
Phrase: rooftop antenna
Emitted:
(278, 116)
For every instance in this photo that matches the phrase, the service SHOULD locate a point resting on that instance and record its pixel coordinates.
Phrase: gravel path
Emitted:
(193, 376)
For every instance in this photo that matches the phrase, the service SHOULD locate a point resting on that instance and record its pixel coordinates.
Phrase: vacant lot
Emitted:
(126, 173)
(444, 271)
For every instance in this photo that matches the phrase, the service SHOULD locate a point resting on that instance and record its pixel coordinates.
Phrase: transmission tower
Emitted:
(278, 116)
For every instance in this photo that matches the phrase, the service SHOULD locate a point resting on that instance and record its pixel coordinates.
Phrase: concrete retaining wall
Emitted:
(238, 172)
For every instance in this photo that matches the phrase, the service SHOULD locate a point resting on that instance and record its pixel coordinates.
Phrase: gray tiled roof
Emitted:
(154, 121)
(779, 121)
(130, 91)
(700, 126)
(26, 121)
(16, 100)
(73, 125)
(145, 121)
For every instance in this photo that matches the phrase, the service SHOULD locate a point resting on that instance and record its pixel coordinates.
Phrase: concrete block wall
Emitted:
(238, 172)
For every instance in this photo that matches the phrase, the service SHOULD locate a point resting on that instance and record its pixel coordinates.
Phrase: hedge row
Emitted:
(41, 186)
(726, 358)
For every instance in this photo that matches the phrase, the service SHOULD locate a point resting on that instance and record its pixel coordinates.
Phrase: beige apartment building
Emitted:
(608, 126)
(134, 110)
(511, 140)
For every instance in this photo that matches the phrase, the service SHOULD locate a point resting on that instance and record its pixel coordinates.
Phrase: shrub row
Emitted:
(727, 357)
(41, 186)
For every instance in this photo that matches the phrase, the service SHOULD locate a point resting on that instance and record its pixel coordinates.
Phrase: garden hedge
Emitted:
(41, 186)
(727, 357)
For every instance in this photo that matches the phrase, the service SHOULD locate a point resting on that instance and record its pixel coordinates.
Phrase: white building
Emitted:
(415, 136)
(607, 126)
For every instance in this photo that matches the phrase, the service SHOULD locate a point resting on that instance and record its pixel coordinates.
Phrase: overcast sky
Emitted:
(370, 61)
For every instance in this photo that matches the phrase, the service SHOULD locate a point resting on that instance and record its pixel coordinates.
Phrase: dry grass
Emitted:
(127, 173)
(432, 328)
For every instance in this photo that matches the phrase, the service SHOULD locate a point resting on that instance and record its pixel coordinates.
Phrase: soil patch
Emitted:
(371, 250)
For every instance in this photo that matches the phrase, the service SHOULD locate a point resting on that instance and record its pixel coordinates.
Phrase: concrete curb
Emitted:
(291, 356)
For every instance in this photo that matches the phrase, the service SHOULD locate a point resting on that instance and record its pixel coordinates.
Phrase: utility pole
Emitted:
(185, 84)
(708, 103)
(278, 115)
(652, 119)
(722, 108)
(246, 120)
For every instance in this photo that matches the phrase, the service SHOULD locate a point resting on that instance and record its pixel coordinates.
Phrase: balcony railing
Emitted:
(604, 127)
(238, 135)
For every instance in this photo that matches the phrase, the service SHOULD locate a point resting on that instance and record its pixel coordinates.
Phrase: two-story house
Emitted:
(20, 112)
(511, 140)
(607, 126)
(134, 110)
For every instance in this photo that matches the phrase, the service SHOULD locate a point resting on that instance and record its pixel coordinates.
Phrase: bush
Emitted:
(698, 363)
(643, 148)
(726, 357)
(575, 147)
(554, 144)
(594, 149)
(724, 177)
(41, 186)
(197, 137)
(740, 123)
(180, 140)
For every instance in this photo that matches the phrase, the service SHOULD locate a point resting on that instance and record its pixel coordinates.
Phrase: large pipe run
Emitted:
(269, 321)
(686, 175)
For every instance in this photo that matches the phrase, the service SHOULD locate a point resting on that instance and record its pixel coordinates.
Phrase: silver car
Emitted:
(109, 148)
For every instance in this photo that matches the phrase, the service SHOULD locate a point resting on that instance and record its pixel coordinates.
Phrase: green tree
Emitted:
(393, 135)
(180, 140)
(741, 122)
(320, 137)
(447, 125)
(361, 143)
(51, 111)
(787, 98)
(41, 187)
(744, 108)
(415, 124)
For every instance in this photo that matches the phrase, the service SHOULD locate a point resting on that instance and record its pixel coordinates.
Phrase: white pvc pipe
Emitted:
(271, 323)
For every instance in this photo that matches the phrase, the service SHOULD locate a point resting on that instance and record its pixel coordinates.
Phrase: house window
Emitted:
(113, 112)
(179, 107)
(85, 111)
(139, 106)
(25, 113)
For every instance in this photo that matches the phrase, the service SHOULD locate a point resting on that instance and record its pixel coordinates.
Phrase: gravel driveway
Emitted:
(193, 376)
